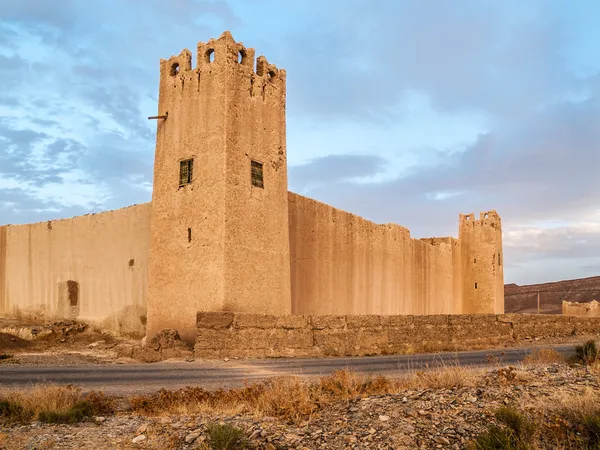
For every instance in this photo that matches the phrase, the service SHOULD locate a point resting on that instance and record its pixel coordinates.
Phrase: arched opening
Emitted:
(174, 69)
(210, 55)
(242, 56)
(271, 75)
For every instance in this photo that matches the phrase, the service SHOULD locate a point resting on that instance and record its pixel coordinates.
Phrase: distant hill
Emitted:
(523, 299)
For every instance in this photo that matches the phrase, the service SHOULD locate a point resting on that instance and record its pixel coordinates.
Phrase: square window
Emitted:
(256, 172)
(186, 168)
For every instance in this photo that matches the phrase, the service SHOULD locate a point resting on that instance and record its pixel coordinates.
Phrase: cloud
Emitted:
(333, 169)
(400, 111)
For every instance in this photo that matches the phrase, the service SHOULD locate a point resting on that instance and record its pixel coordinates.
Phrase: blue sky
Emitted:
(400, 111)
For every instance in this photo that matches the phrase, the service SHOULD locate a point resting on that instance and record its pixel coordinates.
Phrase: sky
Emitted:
(400, 111)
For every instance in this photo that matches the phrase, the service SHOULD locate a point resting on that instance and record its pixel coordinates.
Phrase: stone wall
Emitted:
(225, 334)
(591, 309)
(92, 268)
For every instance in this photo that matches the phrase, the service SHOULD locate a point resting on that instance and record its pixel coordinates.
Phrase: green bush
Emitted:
(591, 425)
(12, 412)
(495, 438)
(77, 413)
(587, 353)
(225, 437)
(516, 422)
(517, 433)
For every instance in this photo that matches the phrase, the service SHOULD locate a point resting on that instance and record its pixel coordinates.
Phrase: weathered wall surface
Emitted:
(251, 335)
(219, 243)
(591, 309)
(344, 264)
(93, 268)
(482, 263)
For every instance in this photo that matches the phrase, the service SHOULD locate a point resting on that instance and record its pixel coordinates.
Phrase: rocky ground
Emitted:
(424, 418)
(75, 343)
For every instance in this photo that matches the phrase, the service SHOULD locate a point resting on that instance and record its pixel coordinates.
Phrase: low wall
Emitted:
(226, 334)
(591, 309)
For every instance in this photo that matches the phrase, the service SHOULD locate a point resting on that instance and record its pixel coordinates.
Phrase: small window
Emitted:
(474, 260)
(186, 168)
(475, 285)
(257, 174)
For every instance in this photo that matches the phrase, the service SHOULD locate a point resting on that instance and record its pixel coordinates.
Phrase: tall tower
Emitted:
(482, 263)
(219, 230)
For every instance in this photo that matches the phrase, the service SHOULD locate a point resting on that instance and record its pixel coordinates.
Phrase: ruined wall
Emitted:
(482, 263)
(344, 264)
(591, 309)
(253, 336)
(219, 242)
(92, 268)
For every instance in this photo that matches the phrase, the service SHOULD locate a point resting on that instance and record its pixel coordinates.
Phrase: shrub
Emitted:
(225, 437)
(495, 438)
(543, 356)
(76, 413)
(53, 404)
(100, 403)
(520, 426)
(591, 425)
(517, 433)
(587, 353)
(11, 411)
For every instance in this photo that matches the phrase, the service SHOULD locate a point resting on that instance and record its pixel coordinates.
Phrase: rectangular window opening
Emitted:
(256, 172)
(475, 285)
(73, 292)
(186, 169)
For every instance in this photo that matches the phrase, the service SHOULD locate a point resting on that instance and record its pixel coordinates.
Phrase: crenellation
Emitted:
(176, 65)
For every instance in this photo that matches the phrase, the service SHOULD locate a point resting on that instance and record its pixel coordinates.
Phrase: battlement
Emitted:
(219, 54)
(487, 218)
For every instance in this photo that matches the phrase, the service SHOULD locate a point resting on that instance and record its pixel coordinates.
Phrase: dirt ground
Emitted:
(64, 342)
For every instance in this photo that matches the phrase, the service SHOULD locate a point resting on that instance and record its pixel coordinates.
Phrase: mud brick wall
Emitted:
(226, 334)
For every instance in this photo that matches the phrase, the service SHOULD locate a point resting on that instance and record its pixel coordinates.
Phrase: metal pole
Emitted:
(158, 117)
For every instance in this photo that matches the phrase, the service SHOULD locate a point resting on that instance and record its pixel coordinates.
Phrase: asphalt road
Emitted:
(139, 378)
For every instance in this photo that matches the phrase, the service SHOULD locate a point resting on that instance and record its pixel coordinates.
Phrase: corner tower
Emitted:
(219, 230)
(482, 263)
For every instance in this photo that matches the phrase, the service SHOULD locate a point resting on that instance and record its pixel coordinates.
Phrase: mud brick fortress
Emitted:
(223, 233)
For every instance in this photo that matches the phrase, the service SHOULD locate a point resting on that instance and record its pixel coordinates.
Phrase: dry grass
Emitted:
(565, 420)
(543, 356)
(567, 404)
(294, 399)
(52, 403)
(445, 377)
